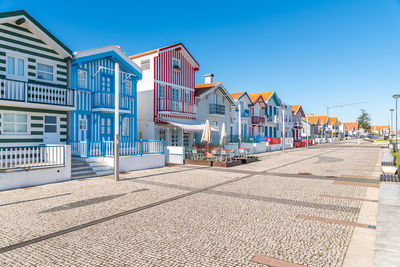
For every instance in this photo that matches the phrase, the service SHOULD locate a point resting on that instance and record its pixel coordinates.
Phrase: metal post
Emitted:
(116, 124)
(283, 130)
(240, 125)
(391, 122)
(308, 128)
(396, 128)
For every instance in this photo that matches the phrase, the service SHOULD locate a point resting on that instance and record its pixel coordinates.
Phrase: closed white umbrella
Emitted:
(206, 136)
(222, 138)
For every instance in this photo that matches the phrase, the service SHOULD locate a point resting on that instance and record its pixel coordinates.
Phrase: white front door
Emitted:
(51, 135)
(83, 128)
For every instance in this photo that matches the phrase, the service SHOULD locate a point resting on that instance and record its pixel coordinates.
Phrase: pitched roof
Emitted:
(266, 95)
(295, 108)
(162, 49)
(350, 125)
(379, 128)
(323, 119)
(237, 95)
(201, 88)
(20, 13)
(313, 119)
(255, 98)
(332, 120)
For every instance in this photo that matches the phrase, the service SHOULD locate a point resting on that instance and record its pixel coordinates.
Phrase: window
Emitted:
(45, 72)
(162, 91)
(173, 93)
(15, 123)
(82, 79)
(274, 110)
(82, 124)
(177, 94)
(128, 87)
(145, 64)
(187, 96)
(214, 98)
(176, 63)
(125, 126)
(50, 124)
(16, 66)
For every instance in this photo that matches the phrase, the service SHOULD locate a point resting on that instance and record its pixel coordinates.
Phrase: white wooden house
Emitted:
(213, 103)
(243, 104)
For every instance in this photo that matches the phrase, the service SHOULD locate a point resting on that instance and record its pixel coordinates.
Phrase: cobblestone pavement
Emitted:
(192, 216)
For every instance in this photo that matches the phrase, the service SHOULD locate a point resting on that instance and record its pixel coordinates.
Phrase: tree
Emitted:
(364, 121)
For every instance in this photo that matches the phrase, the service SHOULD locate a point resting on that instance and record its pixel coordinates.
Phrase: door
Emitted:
(107, 128)
(50, 135)
(82, 128)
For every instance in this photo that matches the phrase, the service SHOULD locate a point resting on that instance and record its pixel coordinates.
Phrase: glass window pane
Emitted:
(8, 128)
(50, 119)
(48, 128)
(20, 118)
(11, 65)
(9, 117)
(21, 67)
(45, 76)
(45, 67)
(21, 128)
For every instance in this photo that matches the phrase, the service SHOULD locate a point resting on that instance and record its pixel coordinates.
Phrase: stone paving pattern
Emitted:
(224, 226)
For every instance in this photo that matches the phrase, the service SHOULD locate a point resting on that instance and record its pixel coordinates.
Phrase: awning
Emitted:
(189, 126)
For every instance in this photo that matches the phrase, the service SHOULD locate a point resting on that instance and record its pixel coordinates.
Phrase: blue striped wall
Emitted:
(84, 98)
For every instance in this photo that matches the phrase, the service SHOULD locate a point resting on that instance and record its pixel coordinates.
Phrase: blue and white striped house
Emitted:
(92, 76)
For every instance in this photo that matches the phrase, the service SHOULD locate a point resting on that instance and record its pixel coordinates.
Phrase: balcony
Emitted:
(176, 106)
(36, 93)
(257, 120)
(217, 109)
(107, 100)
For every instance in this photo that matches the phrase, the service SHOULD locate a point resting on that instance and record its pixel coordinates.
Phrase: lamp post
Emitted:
(116, 124)
(396, 96)
(391, 121)
(308, 129)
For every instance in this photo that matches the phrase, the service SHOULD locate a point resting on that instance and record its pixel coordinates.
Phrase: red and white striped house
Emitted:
(166, 101)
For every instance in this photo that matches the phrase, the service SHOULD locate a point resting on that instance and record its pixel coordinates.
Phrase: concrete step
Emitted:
(101, 168)
(79, 164)
(84, 176)
(77, 159)
(82, 173)
(81, 169)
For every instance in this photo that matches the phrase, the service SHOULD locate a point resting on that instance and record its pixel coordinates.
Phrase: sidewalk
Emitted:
(387, 244)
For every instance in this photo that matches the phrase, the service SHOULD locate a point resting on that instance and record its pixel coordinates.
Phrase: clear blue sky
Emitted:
(314, 53)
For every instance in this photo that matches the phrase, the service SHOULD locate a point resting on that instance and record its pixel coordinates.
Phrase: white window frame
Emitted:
(15, 76)
(85, 80)
(131, 87)
(125, 126)
(47, 123)
(178, 61)
(15, 133)
(49, 63)
(83, 122)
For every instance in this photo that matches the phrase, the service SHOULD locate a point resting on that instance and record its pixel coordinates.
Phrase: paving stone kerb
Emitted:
(223, 218)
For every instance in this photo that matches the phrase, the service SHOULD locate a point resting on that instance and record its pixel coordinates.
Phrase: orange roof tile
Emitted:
(323, 119)
(350, 125)
(201, 88)
(312, 119)
(332, 120)
(237, 95)
(379, 128)
(266, 95)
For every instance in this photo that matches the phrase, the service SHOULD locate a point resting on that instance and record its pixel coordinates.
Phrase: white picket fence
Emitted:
(31, 156)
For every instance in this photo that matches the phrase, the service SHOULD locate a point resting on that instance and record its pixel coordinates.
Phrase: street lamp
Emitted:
(391, 121)
(396, 96)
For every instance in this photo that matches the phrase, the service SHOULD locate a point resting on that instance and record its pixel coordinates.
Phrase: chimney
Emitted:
(208, 78)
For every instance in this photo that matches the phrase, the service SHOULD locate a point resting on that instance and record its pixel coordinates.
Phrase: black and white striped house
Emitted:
(34, 74)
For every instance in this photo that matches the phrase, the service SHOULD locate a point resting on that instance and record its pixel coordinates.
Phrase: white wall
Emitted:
(37, 176)
(175, 154)
(145, 113)
(134, 163)
(147, 81)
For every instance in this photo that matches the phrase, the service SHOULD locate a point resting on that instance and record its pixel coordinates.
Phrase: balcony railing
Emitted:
(35, 93)
(217, 109)
(107, 100)
(176, 106)
(257, 120)
(86, 149)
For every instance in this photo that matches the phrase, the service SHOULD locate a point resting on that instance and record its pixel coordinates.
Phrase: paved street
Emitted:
(302, 206)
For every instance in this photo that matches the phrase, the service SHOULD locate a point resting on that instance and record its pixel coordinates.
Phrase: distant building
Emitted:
(380, 130)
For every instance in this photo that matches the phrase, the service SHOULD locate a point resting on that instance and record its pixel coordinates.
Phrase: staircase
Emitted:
(88, 167)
